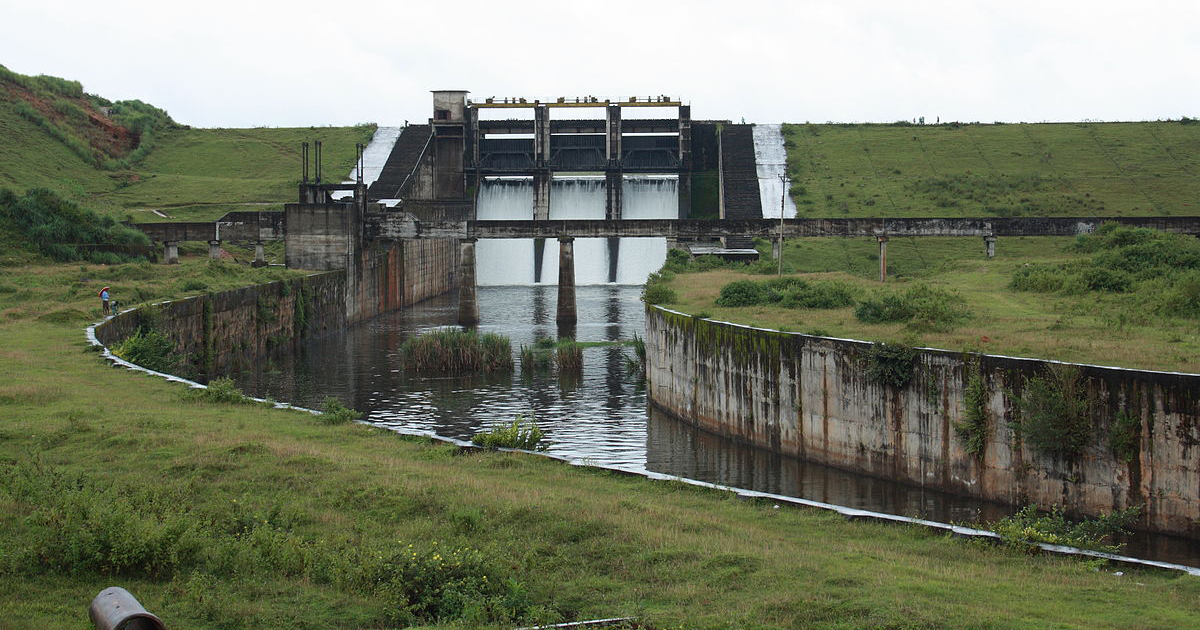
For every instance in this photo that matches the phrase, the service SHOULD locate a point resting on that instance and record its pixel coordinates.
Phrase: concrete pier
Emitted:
(566, 280)
(171, 252)
(613, 189)
(541, 195)
(214, 250)
(260, 257)
(468, 299)
(989, 243)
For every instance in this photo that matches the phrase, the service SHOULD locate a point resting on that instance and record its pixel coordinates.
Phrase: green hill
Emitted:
(128, 158)
(1048, 169)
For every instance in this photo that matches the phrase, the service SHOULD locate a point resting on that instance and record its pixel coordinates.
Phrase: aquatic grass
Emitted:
(454, 351)
(568, 356)
(534, 359)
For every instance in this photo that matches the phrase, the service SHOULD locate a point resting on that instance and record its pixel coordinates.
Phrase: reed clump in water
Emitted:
(452, 351)
(534, 359)
(568, 354)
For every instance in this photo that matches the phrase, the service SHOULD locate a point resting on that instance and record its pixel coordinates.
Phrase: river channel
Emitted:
(601, 418)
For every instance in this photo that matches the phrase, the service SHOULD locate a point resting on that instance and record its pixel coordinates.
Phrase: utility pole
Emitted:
(783, 181)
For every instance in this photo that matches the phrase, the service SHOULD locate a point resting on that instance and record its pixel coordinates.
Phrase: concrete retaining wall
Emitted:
(810, 397)
(216, 332)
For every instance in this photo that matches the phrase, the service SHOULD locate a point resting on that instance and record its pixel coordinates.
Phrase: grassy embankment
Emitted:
(1118, 169)
(221, 515)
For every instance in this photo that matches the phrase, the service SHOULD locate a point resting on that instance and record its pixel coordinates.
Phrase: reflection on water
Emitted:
(600, 417)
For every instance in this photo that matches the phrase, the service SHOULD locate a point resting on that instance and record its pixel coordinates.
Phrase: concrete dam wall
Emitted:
(811, 397)
(219, 331)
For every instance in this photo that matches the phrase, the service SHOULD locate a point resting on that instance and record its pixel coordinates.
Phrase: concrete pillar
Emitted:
(882, 258)
(541, 136)
(260, 257)
(566, 280)
(214, 250)
(989, 242)
(468, 301)
(614, 183)
(541, 195)
(685, 161)
(612, 133)
(171, 252)
(776, 248)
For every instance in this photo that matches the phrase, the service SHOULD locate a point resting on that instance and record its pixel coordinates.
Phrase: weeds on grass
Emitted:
(923, 307)
(334, 412)
(789, 293)
(1028, 527)
(220, 390)
(54, 225)
(521, 435)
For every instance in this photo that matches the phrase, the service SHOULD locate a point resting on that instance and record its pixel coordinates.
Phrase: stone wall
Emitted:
(810, 397)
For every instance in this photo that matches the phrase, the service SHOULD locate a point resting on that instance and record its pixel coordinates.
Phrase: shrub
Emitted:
(1053, 412)
(972, 429)
(334, 412)
(925, 308)
(656, 291)
(743, 293)
(454, 351)
(220, 390)
(831, 294)
(1124, 436)
(53, 224)
(1027, 527)
(890, 364)
(517, 435)
(150, 349)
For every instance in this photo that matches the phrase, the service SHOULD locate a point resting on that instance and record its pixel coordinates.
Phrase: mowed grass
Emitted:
(1046, 169)
(1105, 329)
(584, 544)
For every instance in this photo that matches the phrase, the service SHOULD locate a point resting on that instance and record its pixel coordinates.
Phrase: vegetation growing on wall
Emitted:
(890, 364)
(1054, 414)
(1124, 436)
(54, 226)
(972, 429)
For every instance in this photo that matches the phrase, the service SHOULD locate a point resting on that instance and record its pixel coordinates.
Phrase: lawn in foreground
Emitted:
(271, 486)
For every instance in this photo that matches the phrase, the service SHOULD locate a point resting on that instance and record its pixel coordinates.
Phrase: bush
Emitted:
(925, 308)
(743, 293)
(973, 428)
(53, 224)
(219, 390)
(656, 290)
(1053, 412)
(149, 349)
(890, 364)
(334, 412)
(1027, 527)
(517, 435)
(454, 351)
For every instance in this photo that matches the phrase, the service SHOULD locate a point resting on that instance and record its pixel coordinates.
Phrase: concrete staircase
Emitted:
(401, 163)
(739, 173)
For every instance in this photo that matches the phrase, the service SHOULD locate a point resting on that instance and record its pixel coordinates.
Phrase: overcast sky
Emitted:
(221, 63)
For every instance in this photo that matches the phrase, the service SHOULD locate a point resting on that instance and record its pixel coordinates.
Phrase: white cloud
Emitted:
(225, 63)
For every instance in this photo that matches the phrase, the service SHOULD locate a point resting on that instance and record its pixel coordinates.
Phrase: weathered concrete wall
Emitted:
(810, 397)
(219, 331)
(216, 332)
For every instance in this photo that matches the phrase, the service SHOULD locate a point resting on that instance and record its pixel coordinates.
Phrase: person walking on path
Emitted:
(104, 301)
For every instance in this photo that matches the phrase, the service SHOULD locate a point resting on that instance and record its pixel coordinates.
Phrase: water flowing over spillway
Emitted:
(374, 156)
(771, 157)
(512, 261)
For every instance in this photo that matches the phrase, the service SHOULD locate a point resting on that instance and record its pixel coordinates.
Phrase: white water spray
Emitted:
(771, 156)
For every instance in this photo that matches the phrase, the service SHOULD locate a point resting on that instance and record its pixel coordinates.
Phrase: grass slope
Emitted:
(1064, 169)
(1106, 329)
